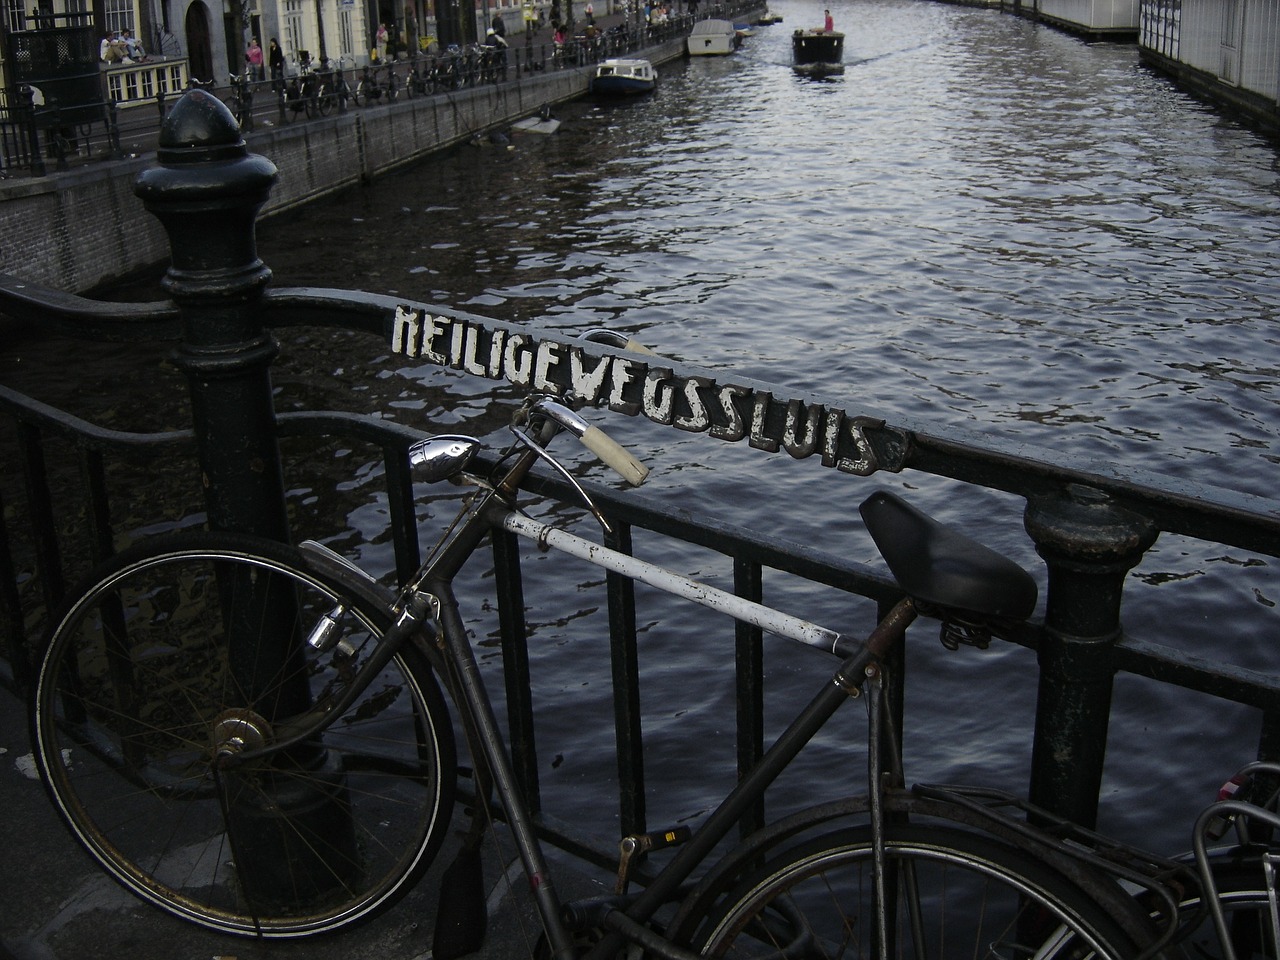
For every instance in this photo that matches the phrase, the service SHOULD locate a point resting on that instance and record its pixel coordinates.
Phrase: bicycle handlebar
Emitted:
(594, 439)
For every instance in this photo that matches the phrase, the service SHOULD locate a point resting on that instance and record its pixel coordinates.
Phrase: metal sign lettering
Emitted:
(633, 385)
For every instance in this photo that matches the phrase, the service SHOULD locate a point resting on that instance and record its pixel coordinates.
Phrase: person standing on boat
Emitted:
(828, 25)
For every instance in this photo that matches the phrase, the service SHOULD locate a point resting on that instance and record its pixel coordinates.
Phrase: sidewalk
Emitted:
(56, 905)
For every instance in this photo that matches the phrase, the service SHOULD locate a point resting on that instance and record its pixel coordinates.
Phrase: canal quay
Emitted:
(986, 230)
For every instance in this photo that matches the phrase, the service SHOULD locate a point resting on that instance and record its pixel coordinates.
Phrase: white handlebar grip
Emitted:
(609, 450)
(635, 346)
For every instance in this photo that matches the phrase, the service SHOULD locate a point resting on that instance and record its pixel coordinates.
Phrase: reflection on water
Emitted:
(982, 225)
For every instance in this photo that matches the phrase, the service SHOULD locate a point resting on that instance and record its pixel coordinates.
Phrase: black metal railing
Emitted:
(1090, 526)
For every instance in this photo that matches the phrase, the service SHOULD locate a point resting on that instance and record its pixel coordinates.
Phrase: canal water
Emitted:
(984, 227)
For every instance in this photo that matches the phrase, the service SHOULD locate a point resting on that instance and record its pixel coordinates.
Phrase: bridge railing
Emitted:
(1091, 527)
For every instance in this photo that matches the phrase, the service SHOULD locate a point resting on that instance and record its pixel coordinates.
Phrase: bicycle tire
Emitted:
(137, 690)
(325, 102)
(814, 900)
(1242, 890)
(361, 95)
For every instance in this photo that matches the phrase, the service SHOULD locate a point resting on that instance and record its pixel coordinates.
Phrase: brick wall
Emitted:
(79, 230)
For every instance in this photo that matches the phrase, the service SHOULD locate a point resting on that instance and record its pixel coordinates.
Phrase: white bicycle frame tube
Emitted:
(747, 611)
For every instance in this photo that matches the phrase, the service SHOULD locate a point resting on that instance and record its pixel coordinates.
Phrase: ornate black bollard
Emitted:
(1089, 544)
(207, 190)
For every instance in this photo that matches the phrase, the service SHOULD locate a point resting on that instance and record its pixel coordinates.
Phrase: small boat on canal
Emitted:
(624, 78)
(817, 52)
(713, 38)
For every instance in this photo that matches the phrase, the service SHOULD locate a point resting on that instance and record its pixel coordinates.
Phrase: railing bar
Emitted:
(748, 582)
(1224, 680)
(18, 646)
(404, 524)
(97, 505)
(625, 666)
(509, 584)
(64, 425)
(40, 502)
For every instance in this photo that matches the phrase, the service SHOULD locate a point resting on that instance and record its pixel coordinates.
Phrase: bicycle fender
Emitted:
(376, 595)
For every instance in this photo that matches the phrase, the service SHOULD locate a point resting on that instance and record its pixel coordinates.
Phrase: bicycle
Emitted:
(240, 100)
(375, 84)
(334, 89)
(254, 737)
(302, 93)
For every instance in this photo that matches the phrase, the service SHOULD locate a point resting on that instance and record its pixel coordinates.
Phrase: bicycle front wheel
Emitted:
(950, 893)
(175, 655)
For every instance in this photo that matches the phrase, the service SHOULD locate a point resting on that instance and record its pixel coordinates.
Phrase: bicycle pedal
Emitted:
(635, 846)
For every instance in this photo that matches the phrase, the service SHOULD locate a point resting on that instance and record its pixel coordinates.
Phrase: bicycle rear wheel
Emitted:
(951, 893)
(195, 646)
(1245, 899)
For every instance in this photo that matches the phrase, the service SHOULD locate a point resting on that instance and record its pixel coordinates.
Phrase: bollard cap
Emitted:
(200, 128)
(202, 157)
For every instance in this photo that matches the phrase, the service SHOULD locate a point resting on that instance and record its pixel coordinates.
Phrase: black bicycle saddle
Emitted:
(943, 568)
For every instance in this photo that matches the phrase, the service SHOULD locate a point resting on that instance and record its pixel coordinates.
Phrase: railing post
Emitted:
(207, 190)
(1089, 545)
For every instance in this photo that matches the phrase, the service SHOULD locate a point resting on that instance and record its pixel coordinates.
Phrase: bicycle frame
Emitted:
(858, 665)
(429, 600)
(427, 608)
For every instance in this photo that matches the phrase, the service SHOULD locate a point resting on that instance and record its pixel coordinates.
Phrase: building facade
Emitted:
(1227, 51)
(212, 35)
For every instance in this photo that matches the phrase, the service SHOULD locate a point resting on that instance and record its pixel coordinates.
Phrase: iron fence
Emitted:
(133, 101)
(1090, 526)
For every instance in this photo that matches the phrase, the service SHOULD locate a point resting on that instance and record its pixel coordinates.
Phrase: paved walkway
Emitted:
(55, 904)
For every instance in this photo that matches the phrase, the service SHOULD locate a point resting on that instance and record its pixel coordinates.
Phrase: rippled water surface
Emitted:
(982, 226)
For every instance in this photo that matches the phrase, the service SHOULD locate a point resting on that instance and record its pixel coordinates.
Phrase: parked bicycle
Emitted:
(334, 91)
(254, 737)
(240, 99)
(377, 84)
(301, 94)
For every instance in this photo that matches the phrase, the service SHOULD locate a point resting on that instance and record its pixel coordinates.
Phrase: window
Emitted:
(119, 15)
(347, 37)
(293, 36)
(13, 15)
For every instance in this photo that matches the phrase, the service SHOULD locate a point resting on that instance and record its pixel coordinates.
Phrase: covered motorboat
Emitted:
(621, 78)
(713, 38)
